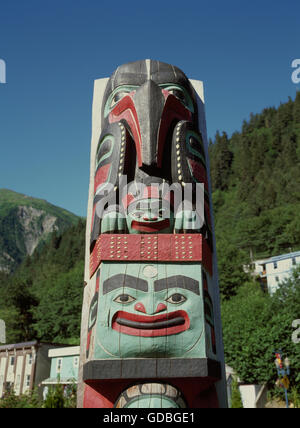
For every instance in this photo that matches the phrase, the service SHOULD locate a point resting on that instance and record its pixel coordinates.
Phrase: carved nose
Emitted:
(140, 307)
(149, 103)
(160, 307)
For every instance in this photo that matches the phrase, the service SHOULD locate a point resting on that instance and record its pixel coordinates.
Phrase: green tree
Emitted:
(221, 161)
(236, 399)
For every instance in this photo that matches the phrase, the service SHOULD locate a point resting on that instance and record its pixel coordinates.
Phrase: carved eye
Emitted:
(124, 299)
(178, 94)
(181, 93)
(117, 97)
(176, 299)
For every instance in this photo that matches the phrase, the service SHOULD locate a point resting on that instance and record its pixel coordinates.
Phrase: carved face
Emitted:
(149, 216)
(149, 129)
(149, 310)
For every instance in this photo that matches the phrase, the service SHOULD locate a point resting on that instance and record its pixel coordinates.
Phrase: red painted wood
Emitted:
(166, 331)
(125, 109)
(173, 110)
(101, 176)
(198, 395)
(154, 247)
(199, 172)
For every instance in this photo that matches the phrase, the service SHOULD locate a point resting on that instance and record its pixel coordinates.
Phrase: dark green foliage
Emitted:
(256, 180)
(24, 401)
(221, 159)
(43, 298)
(60, 397)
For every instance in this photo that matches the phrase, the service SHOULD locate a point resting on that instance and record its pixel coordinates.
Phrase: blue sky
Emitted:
(55, 49)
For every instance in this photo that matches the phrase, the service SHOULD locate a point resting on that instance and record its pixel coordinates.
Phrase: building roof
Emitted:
(282, 257)
(62, 381)
(64, 351)
(11, 346)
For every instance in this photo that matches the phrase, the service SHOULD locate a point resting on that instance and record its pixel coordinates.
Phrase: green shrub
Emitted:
(12, 401)
(236, 399)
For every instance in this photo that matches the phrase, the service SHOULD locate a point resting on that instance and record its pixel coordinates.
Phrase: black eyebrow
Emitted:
(180, 281)
(121, 280)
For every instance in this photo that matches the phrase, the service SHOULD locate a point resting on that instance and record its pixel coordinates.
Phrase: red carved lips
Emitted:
(150, 325)
(150, 226)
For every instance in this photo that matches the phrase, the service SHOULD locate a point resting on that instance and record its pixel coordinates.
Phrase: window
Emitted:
(59, 365)
(275, 265)
(293, 261)
(30, 358)
(276, 279)
(75, 361)
(12, 361)
(28, 380)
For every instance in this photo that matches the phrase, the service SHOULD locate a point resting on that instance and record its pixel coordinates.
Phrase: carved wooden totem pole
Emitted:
(151, 329)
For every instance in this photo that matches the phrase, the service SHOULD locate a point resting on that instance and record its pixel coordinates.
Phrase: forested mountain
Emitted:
(25, 223)
(256, 180)
(43, 298)
(256, 190)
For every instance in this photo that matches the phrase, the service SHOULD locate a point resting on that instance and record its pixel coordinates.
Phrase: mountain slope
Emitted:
(25, 223)
(42, 299)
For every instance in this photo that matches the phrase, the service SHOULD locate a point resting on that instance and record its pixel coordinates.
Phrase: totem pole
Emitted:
(151, 328)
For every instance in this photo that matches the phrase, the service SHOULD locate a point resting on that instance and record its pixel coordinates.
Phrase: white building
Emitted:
(279, 268)
(23, 366)
(272, 271)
